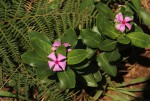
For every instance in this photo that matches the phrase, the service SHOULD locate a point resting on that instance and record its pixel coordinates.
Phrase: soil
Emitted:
(146, 4)
(137, 66)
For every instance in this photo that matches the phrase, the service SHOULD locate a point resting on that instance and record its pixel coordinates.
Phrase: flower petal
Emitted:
(53, 48)
(60, 57)
(128, 19)
(128, 25)
(57, 68)
(52, 56)
(63, 65)
(51, 64)
(120, 27)
(119, 17)
(116, 20)
(68, 50)
(56, 44)
(66, 44)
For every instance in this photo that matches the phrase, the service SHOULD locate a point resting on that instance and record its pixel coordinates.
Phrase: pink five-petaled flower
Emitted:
(59, 62)
(122, 22)
(58, 43)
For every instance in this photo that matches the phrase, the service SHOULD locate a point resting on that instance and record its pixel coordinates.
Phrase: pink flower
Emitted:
(55, 45)
(122, 22)
(57, 63)
(58, 43)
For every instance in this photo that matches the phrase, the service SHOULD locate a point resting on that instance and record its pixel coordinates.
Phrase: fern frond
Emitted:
(5, 57)
(51, 18)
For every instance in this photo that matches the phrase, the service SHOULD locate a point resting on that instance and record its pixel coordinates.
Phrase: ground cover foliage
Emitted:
(29, 29)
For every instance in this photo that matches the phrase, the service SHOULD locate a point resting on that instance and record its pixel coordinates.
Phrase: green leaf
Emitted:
(90, 80)
(61, 50)
(95, 29)
(123, 39)
(86, 4)
(104, 9)
(67, 79)
(132, 90)
(118, 98)
(137, 5)
(44, 72)
(97, 95)
(108, 45)
(34, 60)
(128, 93)
(97, 76)
(91, 52)
(40, 36)
(133, 81)
(70, 37)
(145, 15)
(9, 94)
(138, 29)
(81, 65)
(112, 56)
(91, 38)
(76, 56)
(104, 64)
(106, 27)
(42, 48)
(139, 39)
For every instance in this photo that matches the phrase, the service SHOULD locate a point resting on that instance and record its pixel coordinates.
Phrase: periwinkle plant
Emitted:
(99, 48)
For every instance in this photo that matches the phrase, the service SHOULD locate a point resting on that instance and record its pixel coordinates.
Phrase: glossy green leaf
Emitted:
(70, 37)
(132, 90)
(67, 79)
(104, 64)
(128, 93)
(38, 35)
(104, 9)
(119, 98)
(108, 45)
(90, 80)
(86, 4)
(97, 76)
(42, 48)
(133, 82)
(44, 72)
(139, 39)
(97, 95)
(34, 60)
(11, 95)
(81, 65)
(61, 50)
(145, 15)
(106, 27)
(91, 38)
(138, 29)
(137, 5)
(123, 39)
(112, 56)
(76, 56)
(91, 52)
(95, 29)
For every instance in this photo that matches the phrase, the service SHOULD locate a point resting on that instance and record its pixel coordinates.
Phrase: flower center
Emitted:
(123, 22)
(56, 62)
